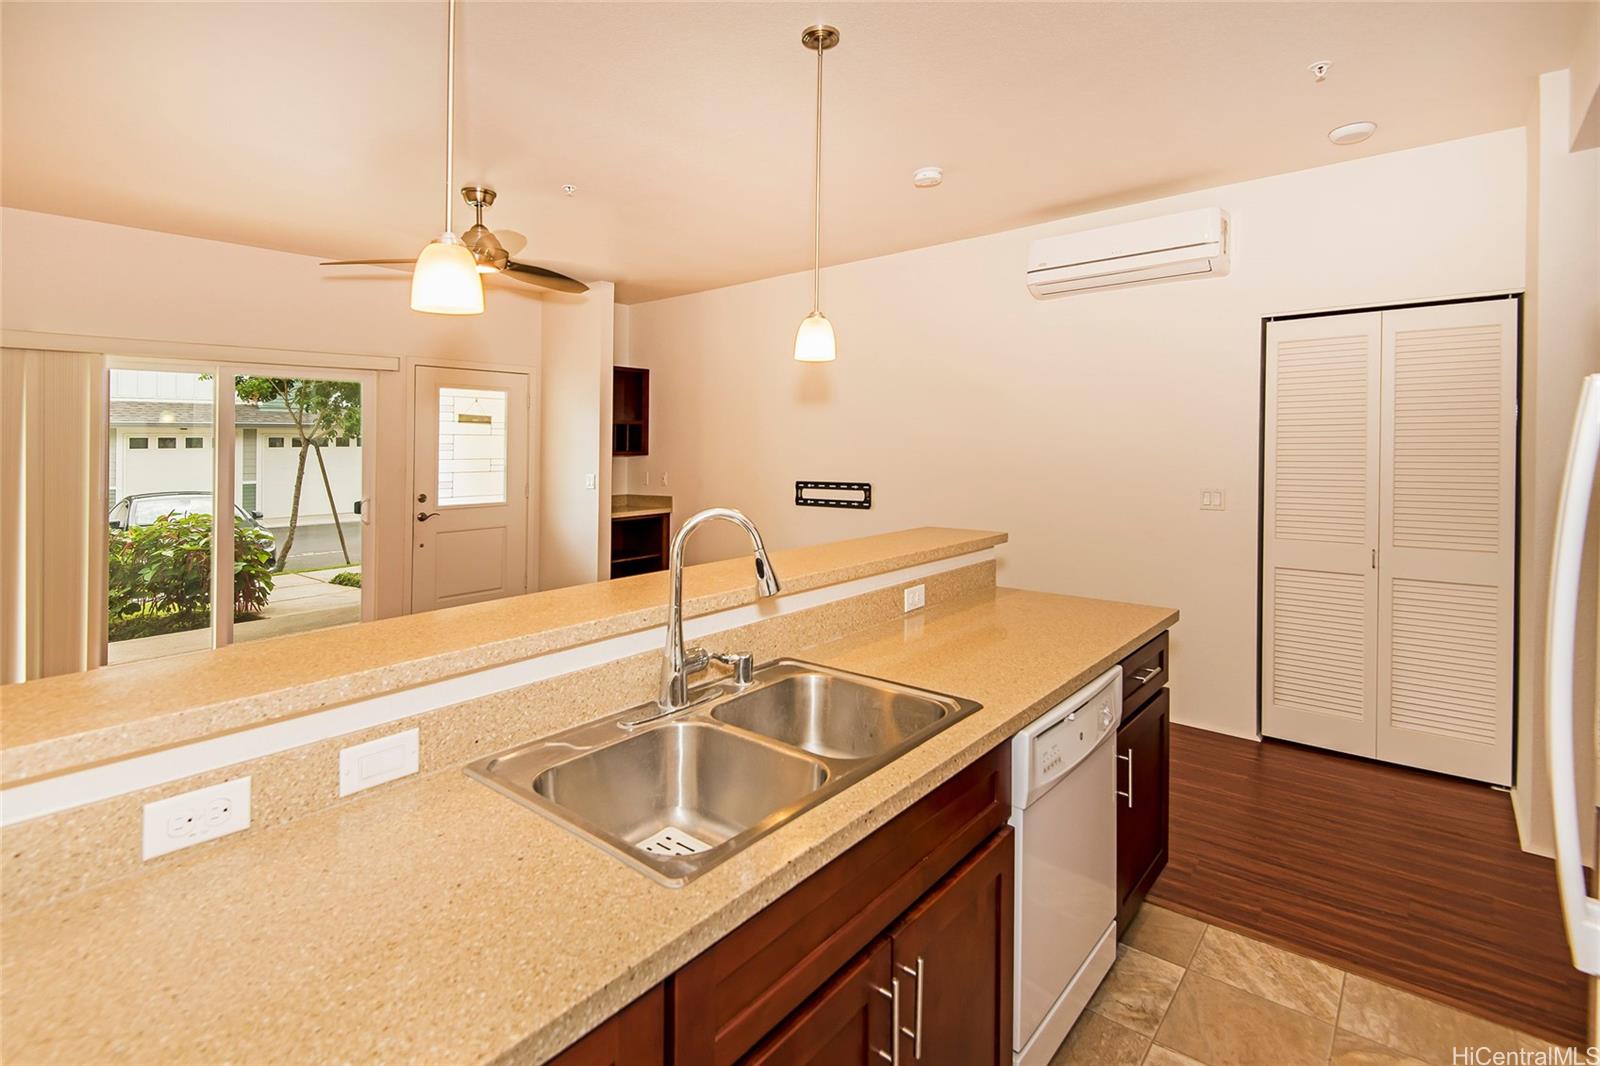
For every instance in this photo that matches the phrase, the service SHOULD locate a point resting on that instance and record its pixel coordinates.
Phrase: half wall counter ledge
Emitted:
(74, 720)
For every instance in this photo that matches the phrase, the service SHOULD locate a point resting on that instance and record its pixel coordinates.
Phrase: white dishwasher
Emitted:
(1063, 810)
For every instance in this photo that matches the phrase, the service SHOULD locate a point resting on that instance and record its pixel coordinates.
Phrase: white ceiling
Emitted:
(317, 127)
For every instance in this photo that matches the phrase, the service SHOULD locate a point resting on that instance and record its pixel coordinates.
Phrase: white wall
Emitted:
(1087, 426)
(575, 438)
(1561, 334)
(138, 284)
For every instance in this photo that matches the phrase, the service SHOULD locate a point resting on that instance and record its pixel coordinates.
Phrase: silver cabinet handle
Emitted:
(1128, 795)
(915, 1032)
(1145, 675)
(892, 1056)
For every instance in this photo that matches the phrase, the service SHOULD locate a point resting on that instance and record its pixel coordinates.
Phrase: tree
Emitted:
(322, 411)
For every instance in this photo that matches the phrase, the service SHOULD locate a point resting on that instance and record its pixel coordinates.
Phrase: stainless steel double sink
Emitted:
(680, 793)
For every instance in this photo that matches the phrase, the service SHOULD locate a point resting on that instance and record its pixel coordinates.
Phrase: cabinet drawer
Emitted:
(738, 990)
(1144, 673)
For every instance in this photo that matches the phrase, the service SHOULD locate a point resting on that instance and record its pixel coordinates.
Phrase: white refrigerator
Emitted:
(1579, 910)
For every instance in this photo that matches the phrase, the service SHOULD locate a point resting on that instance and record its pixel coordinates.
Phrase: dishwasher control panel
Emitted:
(1064, 735)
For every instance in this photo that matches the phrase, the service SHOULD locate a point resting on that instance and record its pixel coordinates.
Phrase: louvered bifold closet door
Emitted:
(1320, 496)
(1446, 554)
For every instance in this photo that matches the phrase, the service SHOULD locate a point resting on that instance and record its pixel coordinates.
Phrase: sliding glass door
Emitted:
(229, 485)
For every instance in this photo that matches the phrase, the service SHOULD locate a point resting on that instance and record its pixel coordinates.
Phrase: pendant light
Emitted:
(445, 280)
(813, 341)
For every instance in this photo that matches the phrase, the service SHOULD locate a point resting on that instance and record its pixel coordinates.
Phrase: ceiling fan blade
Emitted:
(365, 262)
(548, 279)
(512, 241)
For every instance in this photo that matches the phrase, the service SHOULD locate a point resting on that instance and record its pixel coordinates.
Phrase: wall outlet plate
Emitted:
(376, 761)
(916, 596)
(195, 817)
(1213, 500)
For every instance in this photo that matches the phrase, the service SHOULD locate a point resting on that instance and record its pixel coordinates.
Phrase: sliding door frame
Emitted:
(223, 498)
(1516, 492)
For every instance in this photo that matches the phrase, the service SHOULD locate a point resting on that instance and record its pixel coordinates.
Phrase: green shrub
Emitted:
(160, 575)
(350, 579)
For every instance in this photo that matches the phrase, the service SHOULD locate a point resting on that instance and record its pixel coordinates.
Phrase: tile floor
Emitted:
(1184, 993)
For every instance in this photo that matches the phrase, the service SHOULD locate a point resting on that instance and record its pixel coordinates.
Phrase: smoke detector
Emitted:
(1352, 132)
(927, 177)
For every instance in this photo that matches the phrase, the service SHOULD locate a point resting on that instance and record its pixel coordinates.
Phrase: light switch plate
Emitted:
(376, 761)
(916, 596)
(194, 817)
(591, 481)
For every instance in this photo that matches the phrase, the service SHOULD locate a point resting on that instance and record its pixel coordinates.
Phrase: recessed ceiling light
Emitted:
(1352, 133)
(927, 177)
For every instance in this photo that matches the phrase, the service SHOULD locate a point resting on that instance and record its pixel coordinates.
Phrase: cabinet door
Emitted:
(953, 958)
(1142, 759)
(849, 1021)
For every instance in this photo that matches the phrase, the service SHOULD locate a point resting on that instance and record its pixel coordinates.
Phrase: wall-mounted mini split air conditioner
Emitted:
(1188, 245)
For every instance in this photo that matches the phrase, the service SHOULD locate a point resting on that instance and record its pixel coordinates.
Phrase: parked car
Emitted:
(141, 509)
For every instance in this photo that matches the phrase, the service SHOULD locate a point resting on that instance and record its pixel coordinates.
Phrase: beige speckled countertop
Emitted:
(633, 505)
(62, 722)
(438, 921)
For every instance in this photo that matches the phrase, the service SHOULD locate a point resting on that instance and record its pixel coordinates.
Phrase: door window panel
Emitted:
(299, 493)
(472, 446)
(160, 529)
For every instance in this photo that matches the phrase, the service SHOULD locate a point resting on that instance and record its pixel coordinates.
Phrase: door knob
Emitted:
(423, 516)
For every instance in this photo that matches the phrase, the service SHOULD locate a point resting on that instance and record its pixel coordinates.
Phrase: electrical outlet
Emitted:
(916, 596)
(1213, 500)
(663, 479)
(376, 761)
(194, 817)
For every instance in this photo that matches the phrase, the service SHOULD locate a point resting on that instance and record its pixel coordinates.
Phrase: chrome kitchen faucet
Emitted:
(677, 665)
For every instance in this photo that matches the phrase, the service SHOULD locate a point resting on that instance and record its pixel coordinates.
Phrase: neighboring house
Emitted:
(162, 443)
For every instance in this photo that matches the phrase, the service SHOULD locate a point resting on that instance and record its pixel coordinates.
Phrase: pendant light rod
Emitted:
(450, 118)
(820, 39)
(816, 203)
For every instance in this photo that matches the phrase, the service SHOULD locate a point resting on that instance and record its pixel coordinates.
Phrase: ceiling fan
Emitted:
(447, 278)
(488, 250)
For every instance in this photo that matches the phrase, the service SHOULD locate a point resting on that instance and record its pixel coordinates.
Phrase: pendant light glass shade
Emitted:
(445, 280)
(813, 341)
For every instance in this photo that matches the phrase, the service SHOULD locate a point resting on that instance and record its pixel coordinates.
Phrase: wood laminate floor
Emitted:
(1410, 878)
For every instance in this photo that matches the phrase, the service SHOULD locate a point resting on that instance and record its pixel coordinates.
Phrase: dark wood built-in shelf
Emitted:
(630, 411)
(639, 543)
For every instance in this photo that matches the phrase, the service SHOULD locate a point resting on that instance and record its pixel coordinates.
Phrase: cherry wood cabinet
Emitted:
(938, 982)
(952, 954)
(848, 1021)
(1143, 760)
(634, 1036)
(727, 1000)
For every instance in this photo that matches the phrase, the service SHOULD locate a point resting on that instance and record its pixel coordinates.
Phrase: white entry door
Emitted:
(470, 523)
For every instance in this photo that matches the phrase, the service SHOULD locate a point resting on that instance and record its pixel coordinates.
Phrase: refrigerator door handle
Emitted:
(1579, 910)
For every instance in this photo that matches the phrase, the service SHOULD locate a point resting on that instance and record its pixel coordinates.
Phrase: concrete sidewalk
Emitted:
(299, 602)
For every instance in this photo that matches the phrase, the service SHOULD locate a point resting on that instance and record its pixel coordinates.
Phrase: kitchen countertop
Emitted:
(632, 505)
(438, 921)
(58, 723)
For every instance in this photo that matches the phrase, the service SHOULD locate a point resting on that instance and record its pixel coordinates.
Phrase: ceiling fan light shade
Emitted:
(813, 341)
(445, 280)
